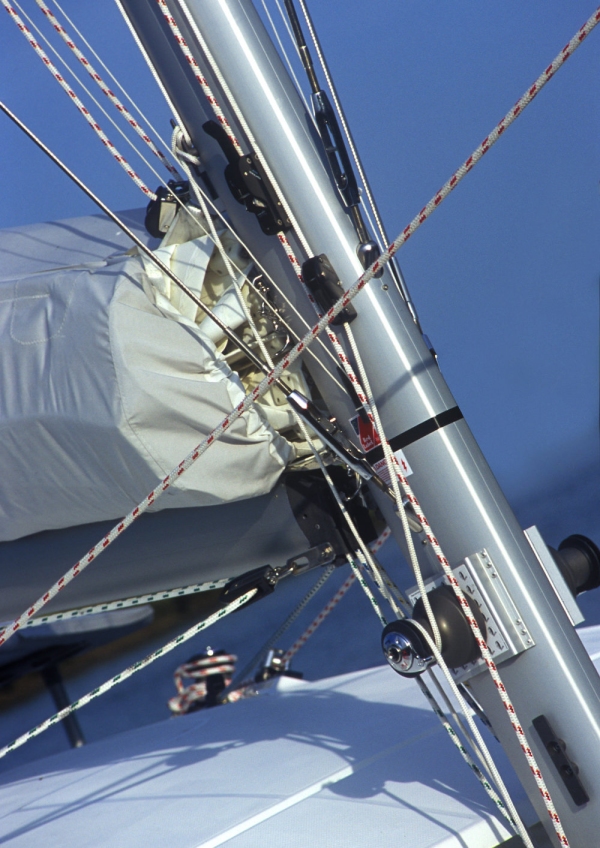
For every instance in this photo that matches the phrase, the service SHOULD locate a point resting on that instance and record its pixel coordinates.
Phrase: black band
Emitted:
(449, 416)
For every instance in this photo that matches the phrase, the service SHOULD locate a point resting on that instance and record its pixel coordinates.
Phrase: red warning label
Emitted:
(366, 432)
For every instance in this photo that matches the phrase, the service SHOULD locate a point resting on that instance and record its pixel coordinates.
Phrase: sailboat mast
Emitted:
(548, 672)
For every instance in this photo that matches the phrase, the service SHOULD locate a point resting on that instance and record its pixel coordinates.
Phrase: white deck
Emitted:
(351, 760)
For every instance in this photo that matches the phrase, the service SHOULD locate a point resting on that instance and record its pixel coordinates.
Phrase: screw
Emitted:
(567, 771)
(385, 287)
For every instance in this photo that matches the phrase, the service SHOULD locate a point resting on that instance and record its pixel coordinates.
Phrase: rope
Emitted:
(199, 669)
(491, 666)
(299, 348)
(128, 672)
(353, 150)
(119, 106)
(477, 735)
(469, 760)
(391, 463)
(479, 746)
(112, 76)
(248, 668)
(200, 78)
(137, 600)
(77, 102)
(316, 622)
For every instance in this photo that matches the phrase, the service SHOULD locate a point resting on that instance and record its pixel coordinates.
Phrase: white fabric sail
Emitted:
(105, 388)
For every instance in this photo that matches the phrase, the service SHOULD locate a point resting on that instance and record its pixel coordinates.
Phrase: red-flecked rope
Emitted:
(200, 78)
(198, 670)
(117, 103)
(266, 383)
(320, 618)
(75, 99)
(287, 360)
(218, 112)
(491, 666)
(330, 605)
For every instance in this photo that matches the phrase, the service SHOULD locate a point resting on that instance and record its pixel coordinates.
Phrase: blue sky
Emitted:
(505, 275)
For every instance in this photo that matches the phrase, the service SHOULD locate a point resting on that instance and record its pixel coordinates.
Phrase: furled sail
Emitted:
(110, 378)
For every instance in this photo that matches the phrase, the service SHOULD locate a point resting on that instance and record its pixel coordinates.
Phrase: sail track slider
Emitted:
(249, 184)
(325, 285)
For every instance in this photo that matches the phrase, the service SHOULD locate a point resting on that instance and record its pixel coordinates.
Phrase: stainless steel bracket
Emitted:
(507, 633)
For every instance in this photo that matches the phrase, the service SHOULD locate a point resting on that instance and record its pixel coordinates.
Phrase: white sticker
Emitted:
(382, 469)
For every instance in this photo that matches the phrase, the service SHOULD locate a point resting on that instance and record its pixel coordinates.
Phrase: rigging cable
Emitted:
(285, 56)
(119, 106)
(128, 672)
(77, 102)
(112, 76)
(348, 295)
(396, 272)
(343, 301)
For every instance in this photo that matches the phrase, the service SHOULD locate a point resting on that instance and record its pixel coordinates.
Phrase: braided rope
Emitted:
(320, 618)
(199, 669)
(137, 600)
(117, 103)
(341, 304)
(200, 78)
(77, 102)
(491, 666)
(467, 757)
(507, 806)
(128, 672)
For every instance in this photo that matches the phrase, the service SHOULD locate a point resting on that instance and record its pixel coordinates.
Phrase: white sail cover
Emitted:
(104, 391)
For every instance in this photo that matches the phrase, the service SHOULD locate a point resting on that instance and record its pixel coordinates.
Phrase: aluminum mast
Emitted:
(553, 676)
